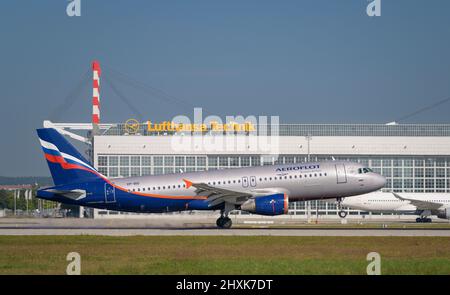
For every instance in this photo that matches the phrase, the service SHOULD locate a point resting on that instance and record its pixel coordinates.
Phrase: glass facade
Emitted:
(404, 174)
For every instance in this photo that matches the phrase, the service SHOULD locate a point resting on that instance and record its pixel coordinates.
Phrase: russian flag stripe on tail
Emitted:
(66, 164)
(51, 149)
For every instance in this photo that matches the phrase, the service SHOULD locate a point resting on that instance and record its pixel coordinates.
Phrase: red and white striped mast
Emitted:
(96, 72)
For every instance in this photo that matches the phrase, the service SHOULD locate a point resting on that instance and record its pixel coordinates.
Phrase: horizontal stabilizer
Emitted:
(76, 194)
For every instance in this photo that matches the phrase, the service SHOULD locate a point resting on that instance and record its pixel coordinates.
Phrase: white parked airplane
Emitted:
(422, 204)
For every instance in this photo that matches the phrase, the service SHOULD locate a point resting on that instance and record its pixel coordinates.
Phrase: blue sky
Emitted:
(311, 61)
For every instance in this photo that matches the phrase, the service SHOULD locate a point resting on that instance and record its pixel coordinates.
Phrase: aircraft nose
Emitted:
(379, 181)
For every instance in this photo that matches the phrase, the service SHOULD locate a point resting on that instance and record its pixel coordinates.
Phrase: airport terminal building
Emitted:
(413, 157)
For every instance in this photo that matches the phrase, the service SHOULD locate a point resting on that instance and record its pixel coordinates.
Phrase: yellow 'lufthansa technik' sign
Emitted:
(213, 126)
(132, 126)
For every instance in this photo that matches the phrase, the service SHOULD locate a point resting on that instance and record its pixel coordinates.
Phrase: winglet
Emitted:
(188, 183)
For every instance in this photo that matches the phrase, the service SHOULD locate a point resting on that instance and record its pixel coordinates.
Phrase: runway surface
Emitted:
(229, 232)
(202, 227)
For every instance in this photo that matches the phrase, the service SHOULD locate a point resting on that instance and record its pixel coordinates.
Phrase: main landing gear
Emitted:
(341, 213)
(423, 219)
(224, 221)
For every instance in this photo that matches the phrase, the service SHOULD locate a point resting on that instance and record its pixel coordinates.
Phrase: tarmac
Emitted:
(233, 232)
(192, 226)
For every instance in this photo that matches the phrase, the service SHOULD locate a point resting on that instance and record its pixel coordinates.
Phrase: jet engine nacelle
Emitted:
(444, 214)
(271, 205)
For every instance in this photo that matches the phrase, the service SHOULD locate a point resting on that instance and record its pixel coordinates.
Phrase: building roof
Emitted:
(313, 130)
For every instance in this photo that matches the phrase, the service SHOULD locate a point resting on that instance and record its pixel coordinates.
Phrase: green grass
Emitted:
(223, 255)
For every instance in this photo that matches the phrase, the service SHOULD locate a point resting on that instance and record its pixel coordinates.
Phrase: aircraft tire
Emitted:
(219, 222)
(226, 223)
(342, 214)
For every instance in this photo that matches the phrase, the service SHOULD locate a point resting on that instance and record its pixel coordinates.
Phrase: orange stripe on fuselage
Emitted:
(170, 197)
(286, 204)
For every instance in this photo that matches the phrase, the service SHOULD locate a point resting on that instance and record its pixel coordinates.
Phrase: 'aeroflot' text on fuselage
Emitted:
(298, 168)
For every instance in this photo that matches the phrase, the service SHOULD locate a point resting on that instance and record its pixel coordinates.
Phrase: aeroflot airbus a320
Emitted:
(264, 190)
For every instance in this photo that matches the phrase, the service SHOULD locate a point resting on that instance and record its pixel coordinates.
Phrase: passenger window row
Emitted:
(234, 181)
(295, 176)
(158, 188)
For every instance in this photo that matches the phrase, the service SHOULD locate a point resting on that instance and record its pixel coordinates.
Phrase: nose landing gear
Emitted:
(341, 213)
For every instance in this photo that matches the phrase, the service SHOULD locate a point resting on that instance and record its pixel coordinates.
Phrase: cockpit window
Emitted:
(364, 170)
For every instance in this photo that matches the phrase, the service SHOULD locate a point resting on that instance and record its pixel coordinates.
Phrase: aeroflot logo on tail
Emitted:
(293, 168)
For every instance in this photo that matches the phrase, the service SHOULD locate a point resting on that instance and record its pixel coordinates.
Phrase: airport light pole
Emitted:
(308, 203)
(15, 197)
(308, 211)
(27, 195)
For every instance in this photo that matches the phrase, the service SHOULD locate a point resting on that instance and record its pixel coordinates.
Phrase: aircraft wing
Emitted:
(217, 195)
(421, 205)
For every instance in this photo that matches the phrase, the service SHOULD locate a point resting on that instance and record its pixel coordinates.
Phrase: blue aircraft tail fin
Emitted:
(66, 164)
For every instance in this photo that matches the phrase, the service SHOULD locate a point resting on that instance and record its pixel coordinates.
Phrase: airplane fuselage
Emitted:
(384, 202)
(163, 193)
